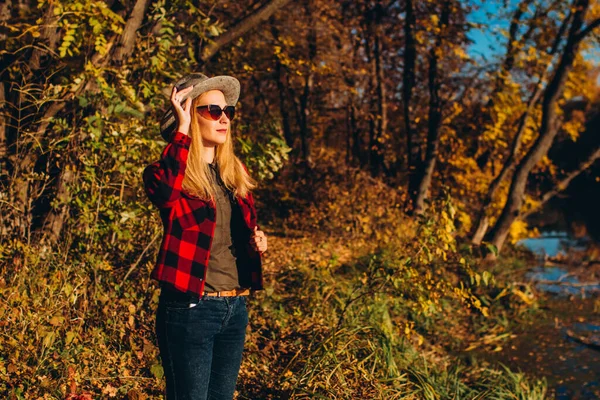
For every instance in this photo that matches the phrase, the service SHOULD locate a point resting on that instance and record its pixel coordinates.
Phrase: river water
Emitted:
(552, 345)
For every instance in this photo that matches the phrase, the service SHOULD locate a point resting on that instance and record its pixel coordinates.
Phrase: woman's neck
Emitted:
(208, 154)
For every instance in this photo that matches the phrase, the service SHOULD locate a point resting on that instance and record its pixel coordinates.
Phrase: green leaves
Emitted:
(157, 371)
(95, 22)
(266, 154)
(67, 40)
(491, 248)
(100, 45)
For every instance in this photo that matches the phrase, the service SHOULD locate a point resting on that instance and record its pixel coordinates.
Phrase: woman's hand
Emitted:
(258, 240)
(182, 113)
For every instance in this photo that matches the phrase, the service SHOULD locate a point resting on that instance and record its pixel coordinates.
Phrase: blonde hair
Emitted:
(233, 173)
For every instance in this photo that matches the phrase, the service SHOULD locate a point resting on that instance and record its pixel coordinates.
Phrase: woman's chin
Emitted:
(213, 142)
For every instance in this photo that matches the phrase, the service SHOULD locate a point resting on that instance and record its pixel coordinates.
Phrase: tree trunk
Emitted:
(127, 39)
(305, 128)
(305, 99)
(55, 219)
(512, 46)
(435, 116)
(509, 59)
(413, 142)
(285, 115)
(354, 131)
(5, 7)
(483, 218)
(348, 134)
(549, 128)
(20, 157)
(281, 87)
(3, 158)
(49, 36)
(356, 137)
(483, 221)
(380, 123)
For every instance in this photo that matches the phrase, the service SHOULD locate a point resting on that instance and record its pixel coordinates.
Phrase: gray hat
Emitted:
(226, 84)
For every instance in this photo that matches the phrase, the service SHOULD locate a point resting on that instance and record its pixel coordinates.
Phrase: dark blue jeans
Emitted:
(201, 346)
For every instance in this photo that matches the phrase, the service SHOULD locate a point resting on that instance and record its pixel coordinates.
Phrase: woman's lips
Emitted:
(222, 130)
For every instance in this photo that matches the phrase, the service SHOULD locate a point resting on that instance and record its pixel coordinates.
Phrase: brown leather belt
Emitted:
(229, 293)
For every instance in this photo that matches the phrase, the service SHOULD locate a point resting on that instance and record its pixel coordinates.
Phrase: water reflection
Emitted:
(569, 355)
(559, 281)
(553, 243)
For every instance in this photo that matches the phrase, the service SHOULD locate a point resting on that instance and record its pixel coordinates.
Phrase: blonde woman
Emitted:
(210, 256)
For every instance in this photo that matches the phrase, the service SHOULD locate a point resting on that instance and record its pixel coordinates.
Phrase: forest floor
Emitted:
(360, 302)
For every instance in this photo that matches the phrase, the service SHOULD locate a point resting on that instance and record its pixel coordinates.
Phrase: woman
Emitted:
(209, 259)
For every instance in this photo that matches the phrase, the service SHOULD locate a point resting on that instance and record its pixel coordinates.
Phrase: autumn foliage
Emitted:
(391, 159)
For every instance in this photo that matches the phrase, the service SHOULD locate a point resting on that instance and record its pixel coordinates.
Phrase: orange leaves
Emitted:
(61, 325)
(72, 378)
(110, 391)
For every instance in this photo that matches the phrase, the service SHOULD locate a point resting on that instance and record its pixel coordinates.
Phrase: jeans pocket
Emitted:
(172, 305)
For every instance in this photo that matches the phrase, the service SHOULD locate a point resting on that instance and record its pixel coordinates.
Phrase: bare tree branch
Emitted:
(563, 184)
(3, 143)
(584, 32)
(251, 21)
(127, 39)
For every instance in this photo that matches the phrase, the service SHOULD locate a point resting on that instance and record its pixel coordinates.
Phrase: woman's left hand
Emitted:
(258, 240)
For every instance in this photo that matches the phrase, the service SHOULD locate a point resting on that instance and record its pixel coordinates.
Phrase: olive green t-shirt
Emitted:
(222, 273)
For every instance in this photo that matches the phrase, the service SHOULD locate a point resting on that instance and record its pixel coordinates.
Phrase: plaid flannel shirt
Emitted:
(189, 226)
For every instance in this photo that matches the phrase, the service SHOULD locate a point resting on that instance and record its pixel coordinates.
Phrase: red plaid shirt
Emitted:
(189, 226)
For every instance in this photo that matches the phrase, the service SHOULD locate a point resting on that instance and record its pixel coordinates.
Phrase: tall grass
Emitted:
(78, 323)
(323, 330)
(340, 336)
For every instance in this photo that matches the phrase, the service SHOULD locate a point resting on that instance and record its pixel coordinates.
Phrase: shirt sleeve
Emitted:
(162, 179)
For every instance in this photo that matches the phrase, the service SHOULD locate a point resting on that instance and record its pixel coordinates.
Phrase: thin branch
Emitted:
(127, 39)
(251, 21)
(134, 265)
(584, 32)
(563, 184)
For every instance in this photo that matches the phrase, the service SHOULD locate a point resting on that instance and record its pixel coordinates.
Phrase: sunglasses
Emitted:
(214, 112)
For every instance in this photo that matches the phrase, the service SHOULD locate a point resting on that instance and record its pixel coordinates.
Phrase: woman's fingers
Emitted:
(183, 113)
(261, 248)
(178, 95)
(182, 92)
(258, 236)
(259, 241)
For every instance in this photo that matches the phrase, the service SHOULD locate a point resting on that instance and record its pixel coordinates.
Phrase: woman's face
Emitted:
(213, 132)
